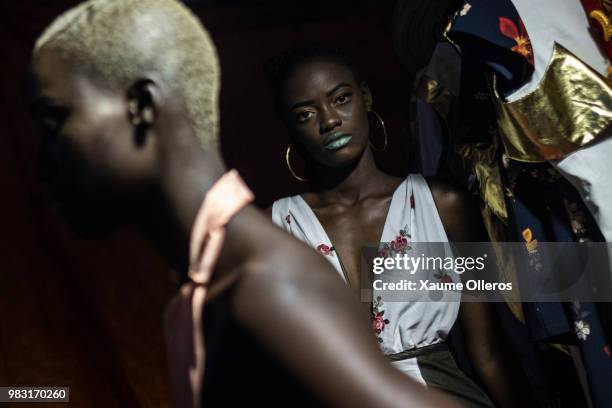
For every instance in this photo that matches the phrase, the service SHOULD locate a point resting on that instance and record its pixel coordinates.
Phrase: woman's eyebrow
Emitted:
(303, 103)
(335, 88)
(311, 102)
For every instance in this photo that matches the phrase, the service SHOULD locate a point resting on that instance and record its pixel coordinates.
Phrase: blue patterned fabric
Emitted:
(539, 207)
(487, 31)
(494, 42)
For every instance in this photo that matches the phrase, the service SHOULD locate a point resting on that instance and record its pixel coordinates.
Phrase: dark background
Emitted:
(88, 314)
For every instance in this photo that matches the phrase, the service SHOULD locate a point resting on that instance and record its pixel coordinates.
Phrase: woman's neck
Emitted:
(350, 184)
(186, 173)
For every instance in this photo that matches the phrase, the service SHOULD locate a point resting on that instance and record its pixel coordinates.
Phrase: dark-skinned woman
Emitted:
(327, 107)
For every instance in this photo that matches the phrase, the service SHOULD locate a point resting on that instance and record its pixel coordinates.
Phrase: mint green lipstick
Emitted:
(337, 141)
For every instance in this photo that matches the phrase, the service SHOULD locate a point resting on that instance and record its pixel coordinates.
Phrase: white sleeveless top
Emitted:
(412, 213)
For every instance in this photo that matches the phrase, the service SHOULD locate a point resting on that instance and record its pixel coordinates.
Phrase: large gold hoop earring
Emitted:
(382, 123)
(288, 161)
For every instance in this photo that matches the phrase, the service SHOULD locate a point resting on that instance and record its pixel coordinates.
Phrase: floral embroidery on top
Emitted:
(325, 249)
(400, 242)
(399, 245)
(523, 44)
(443, 277)
(288, 218)
(378, 317)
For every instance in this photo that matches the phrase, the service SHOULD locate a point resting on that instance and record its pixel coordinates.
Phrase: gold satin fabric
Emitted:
(435, 94)
(483, 160)
(570, 108)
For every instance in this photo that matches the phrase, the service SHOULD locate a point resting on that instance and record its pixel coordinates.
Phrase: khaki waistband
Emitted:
(415, 352)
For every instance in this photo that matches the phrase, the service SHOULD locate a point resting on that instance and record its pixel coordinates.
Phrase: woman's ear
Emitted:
(141, 108)
(367, 95)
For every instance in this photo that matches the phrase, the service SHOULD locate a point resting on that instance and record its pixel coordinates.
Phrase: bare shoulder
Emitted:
(458, 211)
(391, 184)
(448, 196)
(287, 280)
(269, 210)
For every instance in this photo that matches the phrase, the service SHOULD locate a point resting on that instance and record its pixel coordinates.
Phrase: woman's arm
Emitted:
(502, 376)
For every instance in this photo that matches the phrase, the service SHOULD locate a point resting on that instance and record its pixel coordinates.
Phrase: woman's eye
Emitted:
(303, 116)
(51, 120)
(342, 99)
(49, 124)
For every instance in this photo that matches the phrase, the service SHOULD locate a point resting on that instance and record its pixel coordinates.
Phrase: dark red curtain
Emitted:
(88, 314)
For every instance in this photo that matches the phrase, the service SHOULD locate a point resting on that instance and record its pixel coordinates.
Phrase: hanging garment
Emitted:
(562, 112)
(495, 38)
(564, 22)
(539, 211)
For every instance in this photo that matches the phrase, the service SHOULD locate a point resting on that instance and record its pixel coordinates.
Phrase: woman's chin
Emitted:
(344, 157)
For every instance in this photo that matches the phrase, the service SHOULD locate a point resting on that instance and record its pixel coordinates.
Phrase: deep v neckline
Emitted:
(394, 202)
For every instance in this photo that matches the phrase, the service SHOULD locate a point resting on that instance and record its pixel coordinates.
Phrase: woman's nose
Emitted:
(329, 120)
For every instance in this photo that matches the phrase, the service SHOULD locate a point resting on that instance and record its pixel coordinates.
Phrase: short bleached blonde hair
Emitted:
(121, 41)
